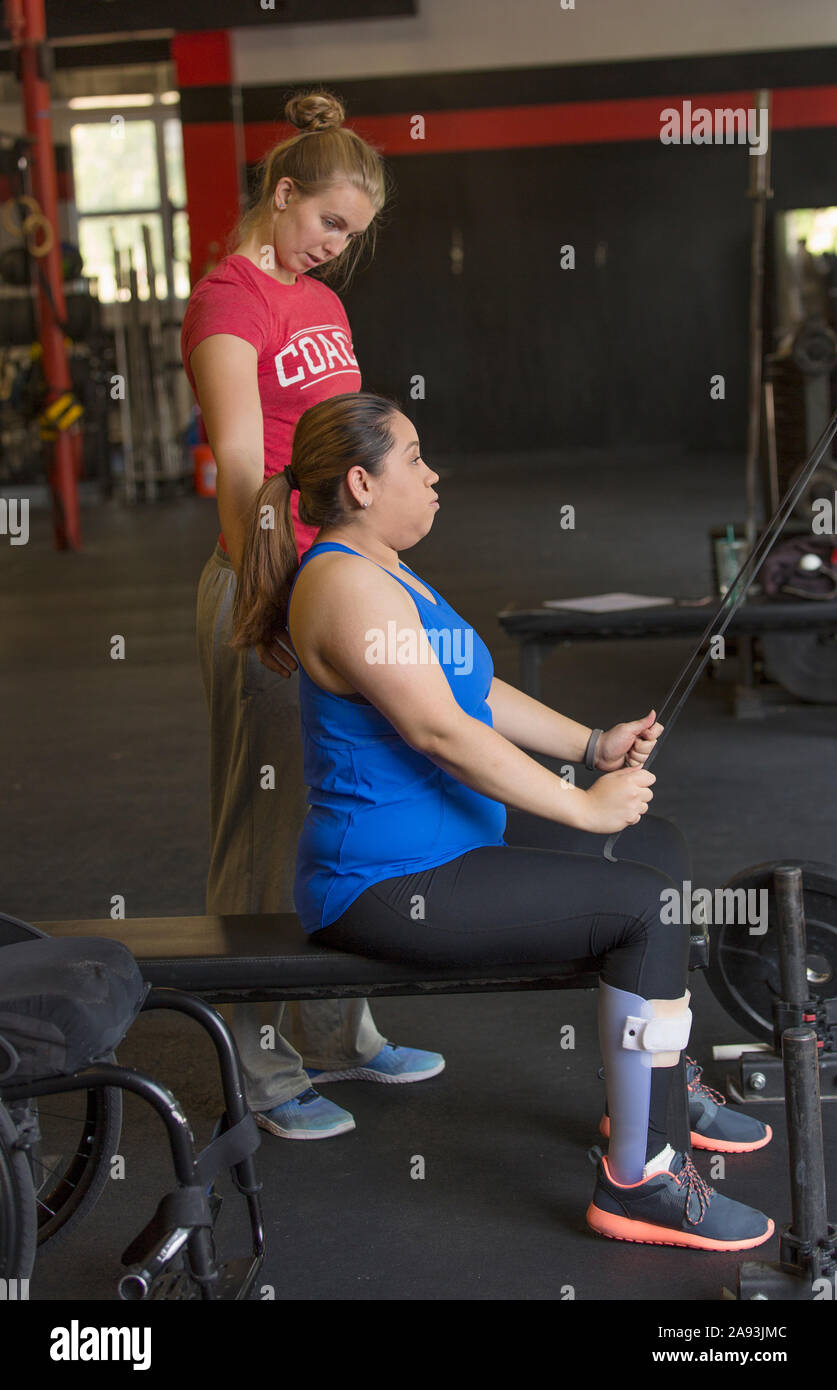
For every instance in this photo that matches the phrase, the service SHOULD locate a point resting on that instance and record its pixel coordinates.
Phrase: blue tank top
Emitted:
(377, 807)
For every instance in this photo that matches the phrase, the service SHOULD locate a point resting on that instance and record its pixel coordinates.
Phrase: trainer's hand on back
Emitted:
(619, 799)
(276, 656)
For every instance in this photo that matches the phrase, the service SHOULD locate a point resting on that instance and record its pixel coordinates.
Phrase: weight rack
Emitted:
(807, 1267)
(154, 455)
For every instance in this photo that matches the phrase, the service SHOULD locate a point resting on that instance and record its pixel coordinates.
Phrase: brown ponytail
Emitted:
(268, 565)
(323, 152)
(340, 433)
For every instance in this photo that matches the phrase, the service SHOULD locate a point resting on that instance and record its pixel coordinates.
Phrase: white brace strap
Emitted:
(657, 1034)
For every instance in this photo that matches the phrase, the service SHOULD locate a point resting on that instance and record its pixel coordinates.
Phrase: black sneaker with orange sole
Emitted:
(713, 1125)
(674, 1207)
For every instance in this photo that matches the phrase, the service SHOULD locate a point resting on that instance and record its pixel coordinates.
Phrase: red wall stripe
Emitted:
(797, 107)
(560, 123)
(211, 187)
(202, 59)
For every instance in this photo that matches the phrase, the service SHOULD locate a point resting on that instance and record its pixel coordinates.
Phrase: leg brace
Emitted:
(632, 1031)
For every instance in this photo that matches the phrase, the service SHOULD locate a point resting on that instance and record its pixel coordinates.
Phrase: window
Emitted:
(128, 170)
(806, 246)
(816, 226)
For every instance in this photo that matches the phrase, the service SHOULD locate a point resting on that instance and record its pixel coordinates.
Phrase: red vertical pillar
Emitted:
(26, 21)
(204, 79)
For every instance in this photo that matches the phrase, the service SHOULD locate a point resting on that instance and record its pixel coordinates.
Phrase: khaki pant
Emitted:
(254, 722)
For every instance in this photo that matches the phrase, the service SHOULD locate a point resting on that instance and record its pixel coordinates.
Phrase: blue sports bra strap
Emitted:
(324, 545)
(338, 545)
(312, 550)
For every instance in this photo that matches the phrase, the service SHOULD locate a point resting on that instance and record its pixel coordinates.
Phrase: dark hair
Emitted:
(323, 152)
(330, 438)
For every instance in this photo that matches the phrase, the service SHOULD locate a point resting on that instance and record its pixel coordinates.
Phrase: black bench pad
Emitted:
(669, 620)
(265, 957)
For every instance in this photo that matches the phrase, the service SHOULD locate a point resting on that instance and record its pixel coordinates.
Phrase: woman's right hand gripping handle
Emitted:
(618, 799)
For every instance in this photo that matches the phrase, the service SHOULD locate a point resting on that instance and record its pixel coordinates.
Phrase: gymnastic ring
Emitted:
(11, 204)
(33, 221)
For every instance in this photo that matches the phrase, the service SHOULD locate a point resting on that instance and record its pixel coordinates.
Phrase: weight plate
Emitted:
(815, 349)
(743, 971)
(805, 663)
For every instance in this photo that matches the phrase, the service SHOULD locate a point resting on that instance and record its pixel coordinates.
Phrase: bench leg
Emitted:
(531, 659)
(747, 701)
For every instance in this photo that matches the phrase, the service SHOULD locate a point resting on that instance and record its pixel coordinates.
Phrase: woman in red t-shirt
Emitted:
(261, 342)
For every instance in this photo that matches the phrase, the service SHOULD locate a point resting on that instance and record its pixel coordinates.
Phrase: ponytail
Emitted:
(260, 606)
(347, 431)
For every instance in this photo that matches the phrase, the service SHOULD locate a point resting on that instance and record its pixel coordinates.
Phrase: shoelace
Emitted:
(694, 1183)
(700, 1087)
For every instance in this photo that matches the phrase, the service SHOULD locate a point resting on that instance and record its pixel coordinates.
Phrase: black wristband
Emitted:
(590, 751)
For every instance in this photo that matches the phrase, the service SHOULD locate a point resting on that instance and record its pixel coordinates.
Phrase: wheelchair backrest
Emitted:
(13, 931)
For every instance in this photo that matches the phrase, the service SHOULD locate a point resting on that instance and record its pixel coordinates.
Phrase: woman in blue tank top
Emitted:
(413, 748)
(379, 807)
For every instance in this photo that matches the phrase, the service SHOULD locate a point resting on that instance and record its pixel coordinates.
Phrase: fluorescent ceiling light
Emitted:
(118, 99)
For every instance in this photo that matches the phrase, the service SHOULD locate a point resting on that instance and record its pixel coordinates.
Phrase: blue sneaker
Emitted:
(307, 1116)
(393, 1065)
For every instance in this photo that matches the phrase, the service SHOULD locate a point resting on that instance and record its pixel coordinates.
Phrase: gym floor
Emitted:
(106, 793)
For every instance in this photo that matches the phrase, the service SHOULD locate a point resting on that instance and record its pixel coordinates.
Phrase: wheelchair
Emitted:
(64, 1007)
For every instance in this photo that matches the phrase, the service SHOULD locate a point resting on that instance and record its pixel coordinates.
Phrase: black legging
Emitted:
(548, 895)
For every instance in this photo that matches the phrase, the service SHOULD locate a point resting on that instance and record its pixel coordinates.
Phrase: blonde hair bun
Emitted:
(314, 166)
(311, 111)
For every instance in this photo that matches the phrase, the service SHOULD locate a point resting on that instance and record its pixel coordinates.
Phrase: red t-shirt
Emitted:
(303, 340)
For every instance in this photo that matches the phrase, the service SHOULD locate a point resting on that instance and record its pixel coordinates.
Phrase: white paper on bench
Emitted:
(606, 603)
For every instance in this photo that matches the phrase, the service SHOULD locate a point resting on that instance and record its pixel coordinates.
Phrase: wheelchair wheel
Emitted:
(18, 1220)
(70, 1140)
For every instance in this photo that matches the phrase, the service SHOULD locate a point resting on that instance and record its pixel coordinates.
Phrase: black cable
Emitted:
(735, 596)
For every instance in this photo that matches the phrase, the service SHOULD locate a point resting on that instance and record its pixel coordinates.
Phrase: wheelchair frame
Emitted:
(185, 1218)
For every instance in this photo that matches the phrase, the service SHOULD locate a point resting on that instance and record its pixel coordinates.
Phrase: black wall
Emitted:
(518, 353)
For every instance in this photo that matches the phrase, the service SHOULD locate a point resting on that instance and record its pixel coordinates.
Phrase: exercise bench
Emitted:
(192, 963)
(789, 629)
(266, 957)
(262, 957)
